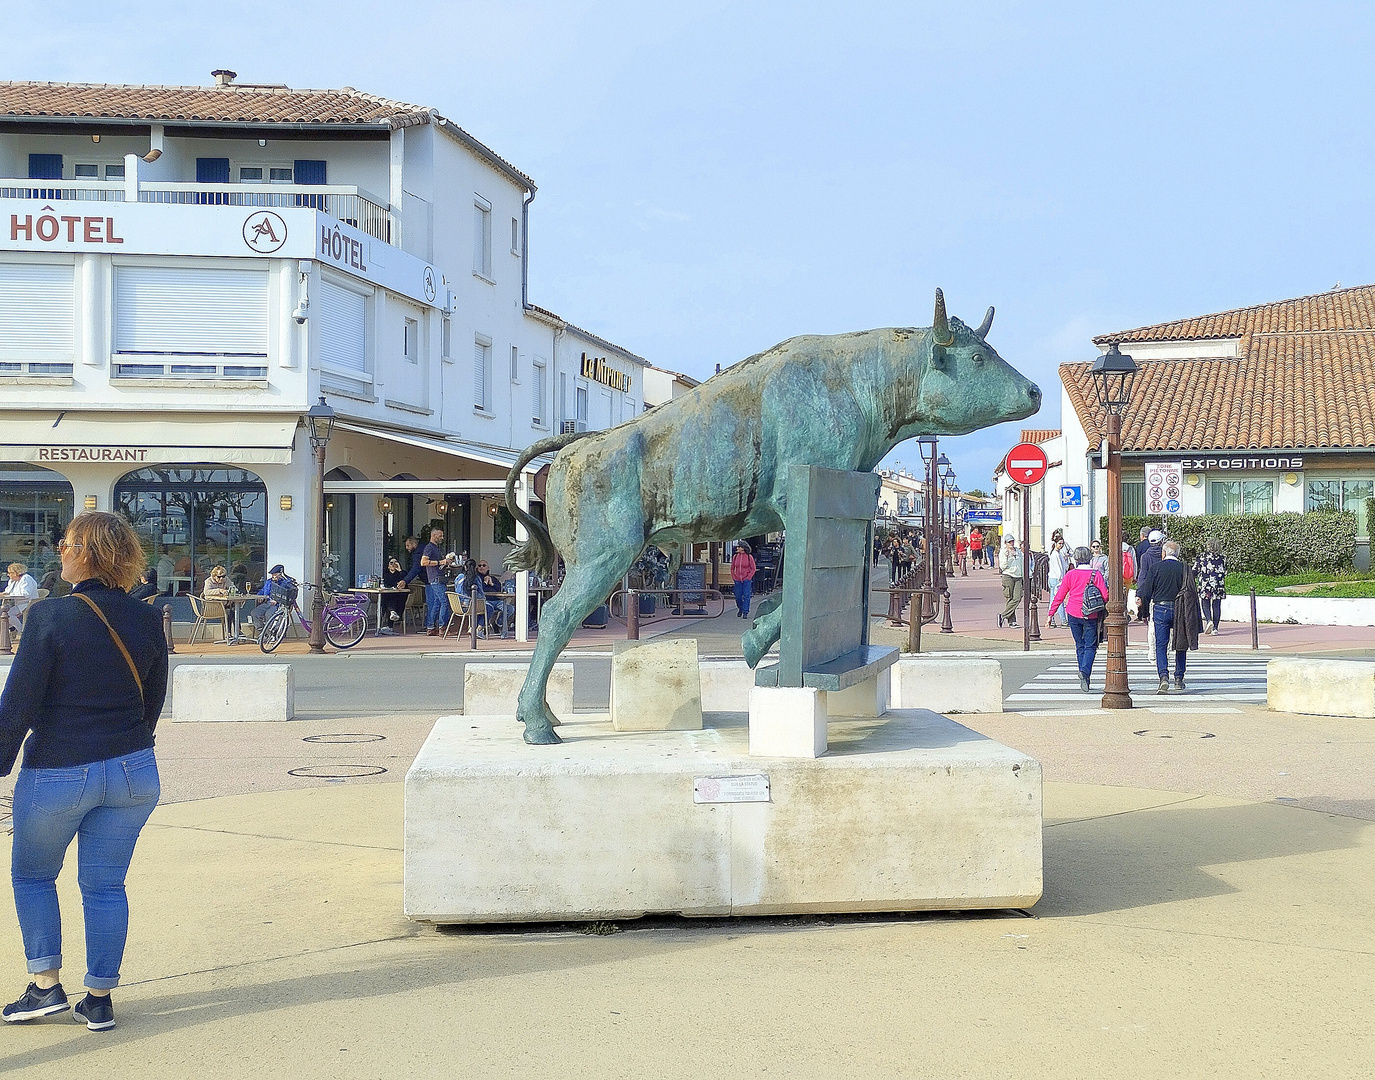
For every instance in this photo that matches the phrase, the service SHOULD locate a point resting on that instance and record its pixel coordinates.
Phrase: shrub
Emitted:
(1261, 543)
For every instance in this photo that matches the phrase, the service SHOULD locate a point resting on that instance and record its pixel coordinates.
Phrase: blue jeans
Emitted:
(1085, 633)
(105, 803)
(743, 591)
(436, 605)
(1162, 611)
(1211, 609)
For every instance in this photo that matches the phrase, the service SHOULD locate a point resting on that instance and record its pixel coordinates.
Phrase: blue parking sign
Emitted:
(1071, 495)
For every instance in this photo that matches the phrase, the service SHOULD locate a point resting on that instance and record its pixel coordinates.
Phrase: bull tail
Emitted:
(536, 553)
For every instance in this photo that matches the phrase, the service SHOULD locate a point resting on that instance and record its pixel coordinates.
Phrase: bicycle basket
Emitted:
(284, 592)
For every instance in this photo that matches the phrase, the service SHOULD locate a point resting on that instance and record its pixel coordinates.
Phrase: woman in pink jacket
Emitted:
(1083, 627)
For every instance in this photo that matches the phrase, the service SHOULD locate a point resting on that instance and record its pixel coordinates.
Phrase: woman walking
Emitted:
(86, 687)
(1210, 571)
(1083, 624)
(1059, 566)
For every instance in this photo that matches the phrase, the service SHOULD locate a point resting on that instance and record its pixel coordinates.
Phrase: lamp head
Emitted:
(320, 418)
(1114, 372)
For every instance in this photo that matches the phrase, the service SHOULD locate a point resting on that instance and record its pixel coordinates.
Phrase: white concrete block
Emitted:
(219, 692)
(787, 721)
(1321, 687)
(952, 685)
(4, 676)
(910, 813)
(726, 685)
(656, 685)
(867, 698)
(492, 689)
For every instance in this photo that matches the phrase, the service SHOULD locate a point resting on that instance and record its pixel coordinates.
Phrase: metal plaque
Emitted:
(731, 789)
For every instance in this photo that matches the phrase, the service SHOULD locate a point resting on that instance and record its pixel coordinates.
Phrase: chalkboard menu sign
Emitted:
(692, 580)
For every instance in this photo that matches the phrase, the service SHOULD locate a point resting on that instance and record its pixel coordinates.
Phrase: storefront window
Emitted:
(1133, 498)
(35, 510)
(340, 567)
(1349, 495)
(1241, 497)
(196, 517)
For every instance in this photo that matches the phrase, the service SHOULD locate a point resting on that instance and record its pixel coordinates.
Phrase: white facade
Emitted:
(149, 319)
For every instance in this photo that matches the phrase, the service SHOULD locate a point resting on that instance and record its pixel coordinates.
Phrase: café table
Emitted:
(237, 601)
(375, 594)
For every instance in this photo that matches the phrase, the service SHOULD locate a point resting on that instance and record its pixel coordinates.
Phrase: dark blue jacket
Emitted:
(416, 570)
(71, 687)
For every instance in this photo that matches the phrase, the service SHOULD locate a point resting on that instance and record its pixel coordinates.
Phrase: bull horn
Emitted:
(987, 324)
(940, 327)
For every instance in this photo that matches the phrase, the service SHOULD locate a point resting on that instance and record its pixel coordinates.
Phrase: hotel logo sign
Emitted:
(49, 227)
(264, 232)
(598, 370)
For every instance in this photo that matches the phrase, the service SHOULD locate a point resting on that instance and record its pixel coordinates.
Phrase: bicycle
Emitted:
(345, 616)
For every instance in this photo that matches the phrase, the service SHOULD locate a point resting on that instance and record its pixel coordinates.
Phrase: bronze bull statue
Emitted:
(710, 465)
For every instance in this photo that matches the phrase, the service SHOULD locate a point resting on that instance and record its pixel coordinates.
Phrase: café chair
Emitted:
(460, 608)
(206, 612)
(414, 609)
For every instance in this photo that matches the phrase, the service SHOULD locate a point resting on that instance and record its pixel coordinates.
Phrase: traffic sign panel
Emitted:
(1026, 464)
(1071, 495)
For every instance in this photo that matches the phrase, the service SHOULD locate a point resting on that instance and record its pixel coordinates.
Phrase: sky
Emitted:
(716, 177)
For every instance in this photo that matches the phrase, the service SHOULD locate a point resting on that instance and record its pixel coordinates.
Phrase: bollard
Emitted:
(947, 627)
(1035, 619)
(632, 615)
(894, 607)
(1255, 626)
(6, 646)
(914, 626)
(167, 629)
(476, 608)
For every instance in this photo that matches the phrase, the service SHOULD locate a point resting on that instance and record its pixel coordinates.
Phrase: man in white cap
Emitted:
(1155, 538)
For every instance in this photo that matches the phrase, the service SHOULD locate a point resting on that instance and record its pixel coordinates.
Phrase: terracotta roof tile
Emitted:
(1341, 309)
(241, 104)
(1039, 435)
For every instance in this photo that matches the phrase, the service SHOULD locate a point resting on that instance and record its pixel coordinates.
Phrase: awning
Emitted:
(70, 438)
(478, 452)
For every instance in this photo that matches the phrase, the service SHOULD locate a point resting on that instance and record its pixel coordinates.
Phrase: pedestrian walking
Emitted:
(1097, 559)
(976, 547)
(742, 577)
(1159, 591)
(1210, 571)
(86, 688)
(1060, 560)
(1084, 608)
(1187, 623)
(962, 554)
(1013, 568)
(1143, 544)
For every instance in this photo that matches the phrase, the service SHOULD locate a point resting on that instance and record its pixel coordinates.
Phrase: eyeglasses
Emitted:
(63, 545)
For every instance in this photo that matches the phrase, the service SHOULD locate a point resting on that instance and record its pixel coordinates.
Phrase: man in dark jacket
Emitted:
(1158, 589)
(1146, 557)
(1142, 546)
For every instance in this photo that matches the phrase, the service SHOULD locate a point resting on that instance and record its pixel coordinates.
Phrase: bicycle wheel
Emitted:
(274, 631)
(345, 627)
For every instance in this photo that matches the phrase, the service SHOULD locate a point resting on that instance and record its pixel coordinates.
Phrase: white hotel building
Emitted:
(185, 270)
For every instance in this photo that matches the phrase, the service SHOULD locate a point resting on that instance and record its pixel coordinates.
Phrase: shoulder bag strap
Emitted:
(118, 641)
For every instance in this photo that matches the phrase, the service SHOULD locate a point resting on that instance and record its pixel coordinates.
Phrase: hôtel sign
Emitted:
(217, 231)
(598, 370)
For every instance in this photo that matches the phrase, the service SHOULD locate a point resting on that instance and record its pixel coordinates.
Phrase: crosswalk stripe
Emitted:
(1234, 680)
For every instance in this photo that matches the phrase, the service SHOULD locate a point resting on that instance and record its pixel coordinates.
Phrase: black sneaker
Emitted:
(34, 1003)
(97, 1011)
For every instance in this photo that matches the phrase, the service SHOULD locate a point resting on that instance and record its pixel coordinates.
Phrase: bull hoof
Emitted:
(541, 734)
(754, 647)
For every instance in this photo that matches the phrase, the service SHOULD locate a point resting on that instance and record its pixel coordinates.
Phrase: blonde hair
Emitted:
(219, 572)
(17, 568)
(111, 548)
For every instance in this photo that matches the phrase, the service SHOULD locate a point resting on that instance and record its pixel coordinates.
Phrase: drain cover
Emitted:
(344, 737)
(337, 772)
(1174, 733)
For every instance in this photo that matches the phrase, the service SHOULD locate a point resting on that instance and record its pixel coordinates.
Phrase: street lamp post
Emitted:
(928, 448)
(939, 469)
(947, 517)
(1113, 375)
(320, 418)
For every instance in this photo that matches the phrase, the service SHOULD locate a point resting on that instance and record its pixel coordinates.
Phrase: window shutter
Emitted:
(342, 323)
(187, 311)
(45, 166)
(480, 375)
(309, 172)
(539, 394)
(212, 170)
(36, 308)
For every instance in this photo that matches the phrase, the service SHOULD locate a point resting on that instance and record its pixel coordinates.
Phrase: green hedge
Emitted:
(1261, 543)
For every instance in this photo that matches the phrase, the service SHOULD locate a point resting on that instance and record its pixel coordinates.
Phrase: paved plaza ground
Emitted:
(1207, 881)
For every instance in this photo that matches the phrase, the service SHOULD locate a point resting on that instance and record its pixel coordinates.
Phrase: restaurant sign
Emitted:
(598, 370)
(139, 455)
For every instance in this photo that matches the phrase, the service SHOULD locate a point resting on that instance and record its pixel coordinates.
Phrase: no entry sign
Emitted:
(1026, 464)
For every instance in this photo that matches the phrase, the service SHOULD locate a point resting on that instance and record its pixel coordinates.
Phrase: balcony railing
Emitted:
(348, 204)
(344, 203)
(53, 190)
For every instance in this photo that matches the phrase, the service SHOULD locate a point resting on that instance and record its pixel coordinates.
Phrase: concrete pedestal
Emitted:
(787, 721)
(948, 685)
(1321, 687)
(909, 812)
(226, 692)
(655, 685)
(492, 689)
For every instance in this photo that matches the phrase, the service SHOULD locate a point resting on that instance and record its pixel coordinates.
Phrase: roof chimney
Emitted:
(224, 77)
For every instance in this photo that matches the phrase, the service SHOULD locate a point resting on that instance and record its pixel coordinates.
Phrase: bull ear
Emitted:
(987, 324)
(940, 326)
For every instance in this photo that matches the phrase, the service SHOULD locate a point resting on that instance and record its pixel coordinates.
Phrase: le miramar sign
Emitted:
(598, 370)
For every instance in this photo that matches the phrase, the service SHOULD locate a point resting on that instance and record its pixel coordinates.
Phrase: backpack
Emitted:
(1092, 602)
(1128, 565)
